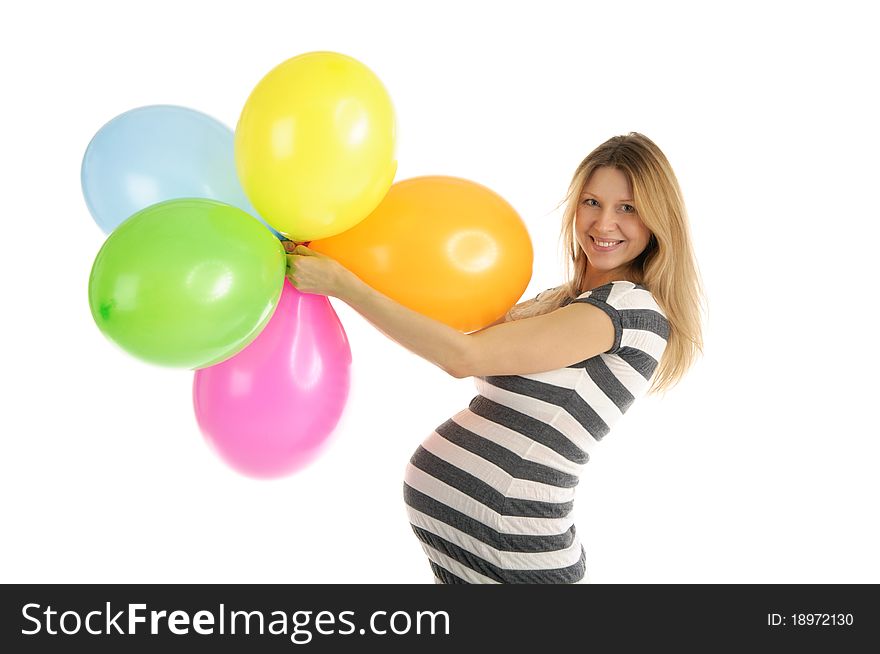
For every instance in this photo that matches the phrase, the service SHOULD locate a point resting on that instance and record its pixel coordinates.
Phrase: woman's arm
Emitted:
(530, 345)
(503, 318)
(518, 347)
(549, 341)
(442, 345)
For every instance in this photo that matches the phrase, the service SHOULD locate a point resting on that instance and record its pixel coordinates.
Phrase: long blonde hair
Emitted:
(667, 267)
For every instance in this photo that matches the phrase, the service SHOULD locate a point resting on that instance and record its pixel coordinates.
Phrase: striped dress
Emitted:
(489, 493)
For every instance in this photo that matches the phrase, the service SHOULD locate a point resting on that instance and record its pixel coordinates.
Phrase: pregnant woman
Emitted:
(489, 493)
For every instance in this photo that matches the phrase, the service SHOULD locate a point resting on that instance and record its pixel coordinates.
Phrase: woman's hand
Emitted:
(313, 272)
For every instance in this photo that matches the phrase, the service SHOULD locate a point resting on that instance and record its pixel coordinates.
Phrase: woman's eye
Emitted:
(627, 208)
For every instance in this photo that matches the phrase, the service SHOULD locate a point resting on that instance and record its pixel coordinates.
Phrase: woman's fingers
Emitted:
(290, 246)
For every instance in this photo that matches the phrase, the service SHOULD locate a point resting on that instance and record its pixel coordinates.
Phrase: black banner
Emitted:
(418, 618)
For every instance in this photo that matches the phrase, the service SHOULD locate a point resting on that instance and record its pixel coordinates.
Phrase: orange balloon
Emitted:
(446, 247)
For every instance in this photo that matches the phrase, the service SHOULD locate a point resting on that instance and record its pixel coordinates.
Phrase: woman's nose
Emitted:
(606, 221)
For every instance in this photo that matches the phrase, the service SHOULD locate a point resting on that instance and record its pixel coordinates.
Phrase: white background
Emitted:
(759, 467)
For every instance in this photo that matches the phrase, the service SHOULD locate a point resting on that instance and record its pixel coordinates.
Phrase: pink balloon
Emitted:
(269, 409)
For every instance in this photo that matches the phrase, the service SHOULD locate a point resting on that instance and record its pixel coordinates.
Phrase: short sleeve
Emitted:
(641, 329)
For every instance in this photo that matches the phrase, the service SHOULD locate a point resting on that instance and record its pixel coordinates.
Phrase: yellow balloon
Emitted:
(315, 145)
(446, 247)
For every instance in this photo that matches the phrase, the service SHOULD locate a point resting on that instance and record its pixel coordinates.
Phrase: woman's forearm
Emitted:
(442, 345)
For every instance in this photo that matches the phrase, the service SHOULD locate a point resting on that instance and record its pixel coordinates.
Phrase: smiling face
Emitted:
(608, 227)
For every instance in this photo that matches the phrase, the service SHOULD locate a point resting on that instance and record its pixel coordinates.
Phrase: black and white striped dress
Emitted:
(489, 493)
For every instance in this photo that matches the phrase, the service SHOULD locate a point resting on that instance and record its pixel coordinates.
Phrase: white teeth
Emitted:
(606, 244)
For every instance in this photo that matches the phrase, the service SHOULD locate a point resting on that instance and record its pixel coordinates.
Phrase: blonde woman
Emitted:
(489, 493)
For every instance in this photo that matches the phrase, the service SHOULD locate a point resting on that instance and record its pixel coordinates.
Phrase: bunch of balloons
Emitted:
(192, 273)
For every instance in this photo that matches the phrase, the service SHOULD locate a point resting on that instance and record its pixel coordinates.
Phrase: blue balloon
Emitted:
(156, 153)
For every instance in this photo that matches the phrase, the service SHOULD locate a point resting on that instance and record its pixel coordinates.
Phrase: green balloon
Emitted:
(186, 283)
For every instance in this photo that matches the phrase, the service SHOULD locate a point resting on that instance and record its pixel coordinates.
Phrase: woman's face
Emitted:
(607, 225)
